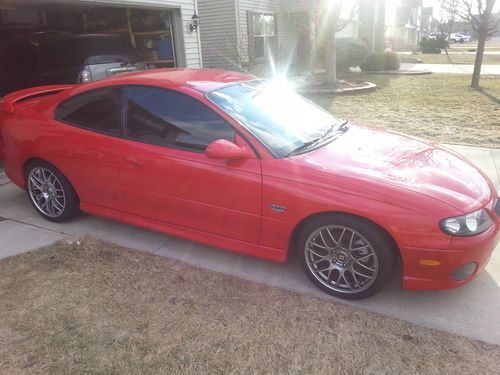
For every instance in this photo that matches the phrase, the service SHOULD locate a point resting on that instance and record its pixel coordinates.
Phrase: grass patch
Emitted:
(439, 107)
(91, 307)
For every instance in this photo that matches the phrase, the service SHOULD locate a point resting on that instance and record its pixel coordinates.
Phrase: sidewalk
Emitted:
(451, 68)
(471, 310)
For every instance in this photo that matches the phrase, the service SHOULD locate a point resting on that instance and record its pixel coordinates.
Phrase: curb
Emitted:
(399, 72)
(368, 87)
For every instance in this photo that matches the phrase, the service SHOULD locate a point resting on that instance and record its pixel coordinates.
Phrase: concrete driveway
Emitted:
(472, 310)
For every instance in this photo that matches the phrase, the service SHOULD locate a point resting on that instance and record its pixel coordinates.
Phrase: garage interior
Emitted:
(155, 32)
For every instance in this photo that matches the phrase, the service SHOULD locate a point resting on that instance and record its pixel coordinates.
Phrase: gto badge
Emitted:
(277, 208)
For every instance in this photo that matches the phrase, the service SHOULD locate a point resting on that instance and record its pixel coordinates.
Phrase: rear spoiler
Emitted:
(7, 105)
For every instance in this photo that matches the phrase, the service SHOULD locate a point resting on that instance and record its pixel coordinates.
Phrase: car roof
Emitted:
(203, 80)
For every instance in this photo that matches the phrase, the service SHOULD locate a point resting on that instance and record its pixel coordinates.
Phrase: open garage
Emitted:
(64, 41)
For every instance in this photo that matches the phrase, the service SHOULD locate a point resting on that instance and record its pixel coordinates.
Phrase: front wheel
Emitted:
(346, 256)
(50, 192)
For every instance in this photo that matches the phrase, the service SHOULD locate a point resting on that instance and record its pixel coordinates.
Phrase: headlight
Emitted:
(467, 225)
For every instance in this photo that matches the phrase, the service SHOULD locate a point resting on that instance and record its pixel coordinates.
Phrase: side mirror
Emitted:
(224, 149)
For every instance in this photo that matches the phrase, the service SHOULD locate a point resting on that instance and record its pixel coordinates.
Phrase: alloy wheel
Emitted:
(341, 259)
(46, 192)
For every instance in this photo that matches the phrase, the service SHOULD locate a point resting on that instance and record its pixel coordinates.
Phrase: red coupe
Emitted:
(247, 165)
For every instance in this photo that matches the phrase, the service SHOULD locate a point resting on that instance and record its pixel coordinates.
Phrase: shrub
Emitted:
(432, 45)
(379, 61)
(349, 53)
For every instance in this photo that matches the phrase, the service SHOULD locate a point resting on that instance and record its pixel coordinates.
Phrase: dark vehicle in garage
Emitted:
(44, 58)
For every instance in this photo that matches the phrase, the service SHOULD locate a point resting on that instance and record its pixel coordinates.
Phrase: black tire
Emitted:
(71, 206)
(376, 241)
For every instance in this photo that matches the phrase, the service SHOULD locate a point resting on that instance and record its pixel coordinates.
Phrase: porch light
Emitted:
(195, 22)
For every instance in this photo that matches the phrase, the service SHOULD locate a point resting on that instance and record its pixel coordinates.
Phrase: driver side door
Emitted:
(166, 176)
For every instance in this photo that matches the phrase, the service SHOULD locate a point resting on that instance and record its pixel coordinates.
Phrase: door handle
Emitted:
(133, 162)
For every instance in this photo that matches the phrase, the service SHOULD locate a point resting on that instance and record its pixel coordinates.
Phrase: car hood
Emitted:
(403, 161)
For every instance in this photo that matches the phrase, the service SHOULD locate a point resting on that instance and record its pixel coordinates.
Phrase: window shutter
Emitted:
(251, 39)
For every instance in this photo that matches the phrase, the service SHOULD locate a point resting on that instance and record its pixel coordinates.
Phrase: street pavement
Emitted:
(472, 310)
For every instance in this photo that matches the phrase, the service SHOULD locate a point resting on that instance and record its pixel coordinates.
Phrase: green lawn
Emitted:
(438, 107)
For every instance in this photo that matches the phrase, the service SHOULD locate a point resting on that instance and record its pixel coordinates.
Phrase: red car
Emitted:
(247, 165)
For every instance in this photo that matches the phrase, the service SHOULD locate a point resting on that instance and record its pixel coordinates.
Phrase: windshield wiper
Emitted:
(338, 128)
(304, 146)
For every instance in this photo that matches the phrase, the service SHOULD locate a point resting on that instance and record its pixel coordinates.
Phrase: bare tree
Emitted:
(480, 15)
(333, 24)
(447, 21)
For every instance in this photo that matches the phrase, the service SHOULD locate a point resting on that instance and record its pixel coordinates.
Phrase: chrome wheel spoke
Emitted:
(341, 236)
(357, 260)
(350, 241)
(320, 246)
(58, 206)
(323, 239)
(331, 236)
(346, 281)
(361, 274)
(323, 268)
(365, 266)
(356, 281)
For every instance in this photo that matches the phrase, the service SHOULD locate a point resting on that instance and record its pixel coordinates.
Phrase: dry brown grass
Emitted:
(439, 107)
(97, 308)
(461, 59)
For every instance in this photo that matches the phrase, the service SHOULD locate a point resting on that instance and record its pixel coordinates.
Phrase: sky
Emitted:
(435, 5)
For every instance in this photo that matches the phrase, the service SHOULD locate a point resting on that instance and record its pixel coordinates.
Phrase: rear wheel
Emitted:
(346, 256)
(50, 192)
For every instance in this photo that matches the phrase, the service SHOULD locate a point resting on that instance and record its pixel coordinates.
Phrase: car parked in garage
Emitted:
(43, 58)
(250, 166)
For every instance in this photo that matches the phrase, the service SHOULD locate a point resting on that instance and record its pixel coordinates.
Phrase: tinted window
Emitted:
(100, 110)
(169, 118)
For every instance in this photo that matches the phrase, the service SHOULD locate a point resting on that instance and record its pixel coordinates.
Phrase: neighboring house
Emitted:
(372, 23)
(243, 34)
(237, 33)
(403, 23)
(428, 24)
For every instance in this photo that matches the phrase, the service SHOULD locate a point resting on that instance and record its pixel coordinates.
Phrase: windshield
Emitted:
(280, 118)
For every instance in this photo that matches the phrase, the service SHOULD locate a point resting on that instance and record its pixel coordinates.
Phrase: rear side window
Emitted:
(100, 110)
(168, 118)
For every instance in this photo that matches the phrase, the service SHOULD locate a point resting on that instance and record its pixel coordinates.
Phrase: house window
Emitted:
(263, 34)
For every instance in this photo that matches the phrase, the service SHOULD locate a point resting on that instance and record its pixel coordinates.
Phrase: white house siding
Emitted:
(187, 7)
(264, 6)
(218, 33)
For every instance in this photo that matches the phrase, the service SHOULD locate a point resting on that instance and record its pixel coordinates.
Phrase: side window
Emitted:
(168, 118)
(100, 110)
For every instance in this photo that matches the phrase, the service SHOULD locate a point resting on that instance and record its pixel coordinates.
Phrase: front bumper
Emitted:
(462, 251)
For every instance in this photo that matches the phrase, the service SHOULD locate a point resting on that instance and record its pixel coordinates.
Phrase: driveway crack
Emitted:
(37, 226)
